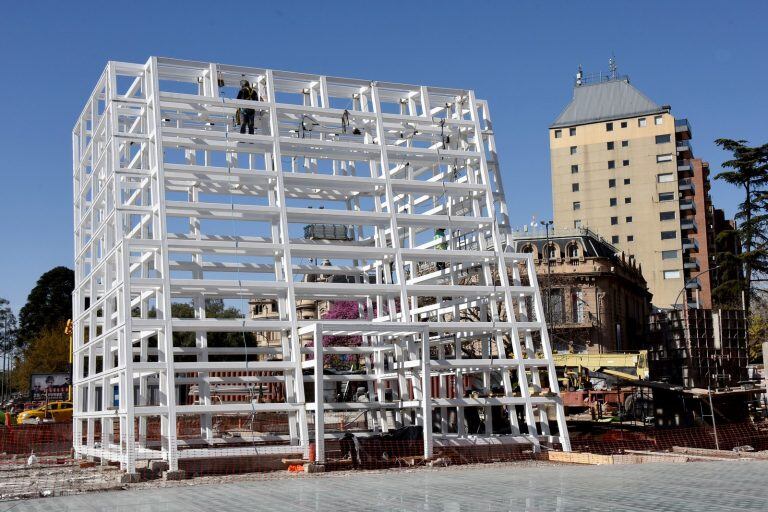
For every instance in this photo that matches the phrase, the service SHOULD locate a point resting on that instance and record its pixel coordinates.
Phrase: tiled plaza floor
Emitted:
(701, 486)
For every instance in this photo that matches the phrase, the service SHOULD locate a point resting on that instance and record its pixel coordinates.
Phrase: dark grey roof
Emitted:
(614, 99)
(592, 245)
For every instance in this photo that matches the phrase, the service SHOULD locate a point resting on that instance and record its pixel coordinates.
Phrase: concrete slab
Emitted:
(722, 486)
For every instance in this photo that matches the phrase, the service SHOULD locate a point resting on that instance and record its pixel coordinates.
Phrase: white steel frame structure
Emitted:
(173, 204)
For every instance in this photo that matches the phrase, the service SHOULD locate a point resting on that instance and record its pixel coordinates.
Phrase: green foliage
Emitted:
(46, 353)
(7, 326)
(214, 308)
(49, 304)
(757, 330)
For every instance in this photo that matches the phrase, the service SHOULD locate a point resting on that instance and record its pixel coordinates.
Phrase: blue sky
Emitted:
(707, 59)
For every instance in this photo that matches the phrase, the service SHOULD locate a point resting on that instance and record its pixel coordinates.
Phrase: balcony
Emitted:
(690, 244)
(693, 284)
(688, 225)
(687, 204)
(683, 129)
(684, 165)
(684, 149)
(686, 184)
(691, 263)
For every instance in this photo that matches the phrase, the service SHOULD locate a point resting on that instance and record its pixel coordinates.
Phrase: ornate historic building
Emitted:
(596, 298)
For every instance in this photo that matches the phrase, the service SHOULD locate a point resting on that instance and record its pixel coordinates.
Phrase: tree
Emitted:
(214, 308)
(341, 310)
(757, 332)
(749, 171)
(7, 343)
(46, 353)
(48, 304)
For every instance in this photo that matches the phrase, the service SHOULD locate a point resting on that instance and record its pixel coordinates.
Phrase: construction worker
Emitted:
(442, 246)
(246, 116)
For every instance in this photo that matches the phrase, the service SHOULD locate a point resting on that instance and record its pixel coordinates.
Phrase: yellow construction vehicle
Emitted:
(609, 361)
(575, 374)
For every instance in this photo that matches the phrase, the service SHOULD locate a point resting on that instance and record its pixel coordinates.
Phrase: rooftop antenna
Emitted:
(579, 76)
(612, 68)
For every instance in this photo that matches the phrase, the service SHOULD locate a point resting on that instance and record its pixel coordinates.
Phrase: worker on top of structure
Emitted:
(246, 116)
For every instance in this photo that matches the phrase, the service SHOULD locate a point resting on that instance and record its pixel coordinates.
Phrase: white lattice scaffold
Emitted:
(383, 198)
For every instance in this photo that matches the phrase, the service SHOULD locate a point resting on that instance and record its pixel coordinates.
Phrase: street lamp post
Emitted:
(547, 224)
(685, 307)
(687, 338)
(687, 281)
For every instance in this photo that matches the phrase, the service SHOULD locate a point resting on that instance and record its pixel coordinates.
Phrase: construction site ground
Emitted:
(737, 484)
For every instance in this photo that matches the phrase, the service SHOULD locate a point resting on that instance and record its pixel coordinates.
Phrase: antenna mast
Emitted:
(612, 68)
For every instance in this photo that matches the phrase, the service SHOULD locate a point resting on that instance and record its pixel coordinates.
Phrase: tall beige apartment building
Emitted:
(623, 167)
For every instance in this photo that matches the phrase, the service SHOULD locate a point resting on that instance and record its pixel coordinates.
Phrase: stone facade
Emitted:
(596, 298)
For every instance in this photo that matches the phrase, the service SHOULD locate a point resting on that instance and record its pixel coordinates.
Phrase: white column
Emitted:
(426, 398)
(319, 398)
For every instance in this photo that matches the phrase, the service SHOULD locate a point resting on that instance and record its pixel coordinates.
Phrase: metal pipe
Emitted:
(714, 422)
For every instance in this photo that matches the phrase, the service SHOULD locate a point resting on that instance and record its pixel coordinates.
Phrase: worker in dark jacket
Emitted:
(247, 115)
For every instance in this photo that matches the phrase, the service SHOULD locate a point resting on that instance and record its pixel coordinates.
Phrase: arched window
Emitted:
(553, 251)
(573, 250)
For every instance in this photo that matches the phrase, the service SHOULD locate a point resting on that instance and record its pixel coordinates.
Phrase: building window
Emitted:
(611, 183)
(577, 205)
(573, 251)
(612, 201)
(625, 163)
(555, 301)
(572, 131)
(625, 143)
(663, 139)
(623, 124)
(615, 239)
(630, 238)
(552, 252)
(573, 150)
(668, 235)
(574, 187)
(574, 169)
(657, 120)
(627, 200)
(609, 145)
(628, 220)
(669, 255)
(667, 215)
(671, 274)
(663, 158)
(611, 164)
(609, 127)
(614, 221)
(558, 134)
(666, 177)
(577, 223)
(577, 306)
(666, 196)
(642, 122)
(627, 181)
